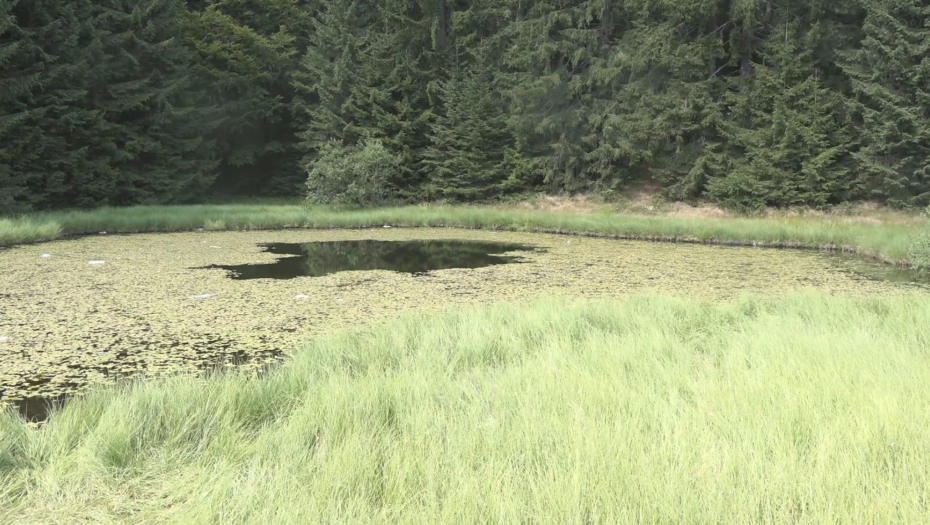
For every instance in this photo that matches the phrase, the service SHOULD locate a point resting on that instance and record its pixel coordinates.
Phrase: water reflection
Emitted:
(316, 259)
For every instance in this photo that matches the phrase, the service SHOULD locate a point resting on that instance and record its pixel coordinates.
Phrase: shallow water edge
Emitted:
(147, 309)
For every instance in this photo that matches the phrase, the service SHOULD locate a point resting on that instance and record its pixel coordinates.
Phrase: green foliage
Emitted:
(471, 146)
(557, 87)
(246, 55)
(781, 140)
(664, 92)
(365, 75)
(741, 102)
(351, 175)
(890, 73)
(920, 247)
(44, 76)
(157, 118)
(97, 106)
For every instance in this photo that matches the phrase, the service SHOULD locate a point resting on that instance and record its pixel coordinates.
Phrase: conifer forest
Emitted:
(743, 103)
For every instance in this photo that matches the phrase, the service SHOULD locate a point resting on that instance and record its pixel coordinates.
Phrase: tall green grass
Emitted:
(806, 409)
(26, 229)
(919, 254)
(887, 241)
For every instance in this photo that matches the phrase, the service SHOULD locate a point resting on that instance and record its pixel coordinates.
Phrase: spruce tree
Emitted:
(98, 106)
(890, 74)
(247, 52)
(43, 121)
(156, 118)
(19, 81)
(783, 139)
(365, 76)
(327, 79)
(471, 145)
(554, 47)
(749, 103)
(667, 68)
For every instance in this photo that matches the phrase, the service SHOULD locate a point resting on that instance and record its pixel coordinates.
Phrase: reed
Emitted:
(800, 409)
(890, 241)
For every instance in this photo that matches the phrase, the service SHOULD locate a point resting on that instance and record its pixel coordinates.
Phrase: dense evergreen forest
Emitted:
(747, 103)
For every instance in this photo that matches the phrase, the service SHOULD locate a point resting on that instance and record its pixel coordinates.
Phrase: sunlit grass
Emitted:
(26, 229)
(889, 241)
(806, 409)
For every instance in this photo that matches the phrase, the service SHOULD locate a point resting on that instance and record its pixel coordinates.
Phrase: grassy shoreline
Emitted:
(888, 242)
(807, 408)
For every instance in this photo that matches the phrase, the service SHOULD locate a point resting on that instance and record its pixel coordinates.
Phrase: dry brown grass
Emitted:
(565, 203)
(860, 213)
(646, 200)
(681, 209)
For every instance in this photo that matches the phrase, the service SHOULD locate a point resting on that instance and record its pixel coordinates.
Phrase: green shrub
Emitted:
(920, 247)
(351, 175)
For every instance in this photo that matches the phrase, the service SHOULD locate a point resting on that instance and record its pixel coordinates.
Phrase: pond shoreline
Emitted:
(783, 245)
(886, 242)
(77, 322)
(656, 384)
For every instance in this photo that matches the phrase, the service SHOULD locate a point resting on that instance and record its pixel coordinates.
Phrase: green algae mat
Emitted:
(74, 313)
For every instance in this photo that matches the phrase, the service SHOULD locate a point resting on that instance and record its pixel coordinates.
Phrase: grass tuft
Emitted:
(807, 408)
(920, 247)
(27, 229)
(889, 241)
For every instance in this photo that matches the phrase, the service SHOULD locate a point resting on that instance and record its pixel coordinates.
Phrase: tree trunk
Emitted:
(745, 66)
(605, 22)
(445, 20)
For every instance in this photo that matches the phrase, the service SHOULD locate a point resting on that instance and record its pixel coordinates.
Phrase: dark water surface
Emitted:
(37, 408)
(876, 271)
(315, 259)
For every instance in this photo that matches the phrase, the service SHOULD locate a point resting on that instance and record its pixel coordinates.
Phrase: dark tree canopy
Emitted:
(747, 103)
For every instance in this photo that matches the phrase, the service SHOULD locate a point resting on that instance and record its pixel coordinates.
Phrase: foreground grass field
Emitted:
(805, 409)
(889, 241)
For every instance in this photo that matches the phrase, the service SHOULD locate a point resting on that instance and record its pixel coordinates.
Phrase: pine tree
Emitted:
(471, 145)
(890, 73)
(783, 139)
(43, 81)
(153, 141)
(247, 51)
(365, 76)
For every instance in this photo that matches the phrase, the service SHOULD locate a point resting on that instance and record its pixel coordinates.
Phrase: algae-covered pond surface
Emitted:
(110, 306)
